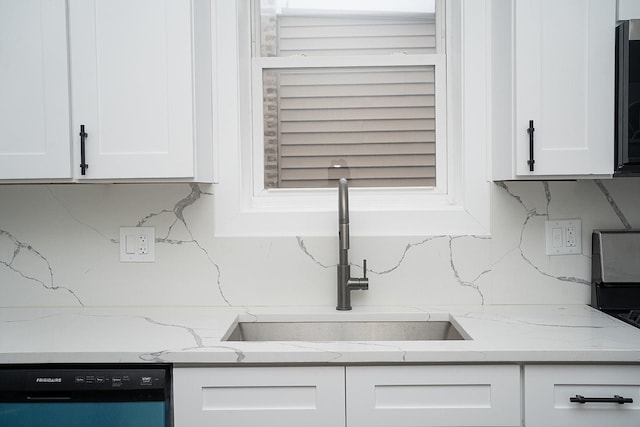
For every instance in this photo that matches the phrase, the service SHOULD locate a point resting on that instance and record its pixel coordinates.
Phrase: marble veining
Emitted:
(532, 213)
(411, 246)
(196, 337)
(559, 334)
(305, 250)
(48, 229)
(613, 204)
(164, 356)
(18, 250)
(541, 324)
(461, 282)
(178, 212)
(199, 341)
(408, 248)
(78, 220)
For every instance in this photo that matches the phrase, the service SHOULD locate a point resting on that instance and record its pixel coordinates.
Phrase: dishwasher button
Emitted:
(146, 381)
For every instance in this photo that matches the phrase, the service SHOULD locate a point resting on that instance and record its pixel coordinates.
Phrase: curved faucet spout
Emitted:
(343, 213)
(346, 283)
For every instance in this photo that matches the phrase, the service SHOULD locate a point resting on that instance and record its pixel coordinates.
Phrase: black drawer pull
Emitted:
(530, 131)
(615, 399)
(83, 163)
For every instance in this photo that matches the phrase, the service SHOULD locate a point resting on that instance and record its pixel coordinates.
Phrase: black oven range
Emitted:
(615, 274)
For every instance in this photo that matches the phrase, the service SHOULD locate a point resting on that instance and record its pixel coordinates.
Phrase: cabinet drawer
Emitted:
(420, 396)
(548, 390)
(260, 397)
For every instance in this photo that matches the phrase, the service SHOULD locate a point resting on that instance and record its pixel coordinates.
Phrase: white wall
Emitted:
(59, 247)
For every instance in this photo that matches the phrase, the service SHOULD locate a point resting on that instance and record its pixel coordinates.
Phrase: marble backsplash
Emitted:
(59, 247)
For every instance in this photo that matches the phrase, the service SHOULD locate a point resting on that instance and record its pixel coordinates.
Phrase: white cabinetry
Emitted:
(548, 391)
(259, 396)
(132, 87)
(397, 396)
(421, 396)
(35, 140)
(552, 68)
(628, 9)
(140, 84)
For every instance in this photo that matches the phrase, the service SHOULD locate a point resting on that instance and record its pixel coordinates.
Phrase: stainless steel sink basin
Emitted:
(345, 331)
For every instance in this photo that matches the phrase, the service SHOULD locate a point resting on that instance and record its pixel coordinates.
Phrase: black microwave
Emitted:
(627, 114)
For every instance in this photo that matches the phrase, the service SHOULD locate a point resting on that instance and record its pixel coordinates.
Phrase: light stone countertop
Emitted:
(180, 335)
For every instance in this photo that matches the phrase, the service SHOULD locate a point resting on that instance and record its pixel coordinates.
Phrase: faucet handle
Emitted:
(364, 268)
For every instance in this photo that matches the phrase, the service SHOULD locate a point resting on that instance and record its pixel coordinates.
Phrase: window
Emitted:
(457, 203)
(351, 89)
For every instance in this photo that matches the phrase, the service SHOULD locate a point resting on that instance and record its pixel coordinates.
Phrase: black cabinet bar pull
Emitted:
(530, 131)
(83, 164)
(615, 399)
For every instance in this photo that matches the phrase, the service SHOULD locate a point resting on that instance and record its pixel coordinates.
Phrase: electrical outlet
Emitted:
(143, 244)
(563, 237)
(137, 244)
(570, 240)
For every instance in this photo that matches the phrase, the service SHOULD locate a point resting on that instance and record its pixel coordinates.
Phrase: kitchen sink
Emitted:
(345, 331)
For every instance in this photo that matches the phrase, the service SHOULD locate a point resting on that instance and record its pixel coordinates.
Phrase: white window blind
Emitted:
(353, 35)
(374, 124)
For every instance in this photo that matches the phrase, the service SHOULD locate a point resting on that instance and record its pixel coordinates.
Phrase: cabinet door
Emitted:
(420, 396)
(564, 83)
(132, 87)
(628, 9)
(34, 94)
(548, 391)
(259, 397)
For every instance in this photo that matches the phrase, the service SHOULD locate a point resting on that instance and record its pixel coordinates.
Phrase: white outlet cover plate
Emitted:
(561, 246)
(131, 252)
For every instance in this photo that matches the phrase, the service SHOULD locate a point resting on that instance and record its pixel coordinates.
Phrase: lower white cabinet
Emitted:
(408, 396)
(259, 396)
(421, 396)
(335, 396)
(549, 390)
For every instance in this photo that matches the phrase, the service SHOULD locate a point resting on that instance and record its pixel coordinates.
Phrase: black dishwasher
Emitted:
(85, 395)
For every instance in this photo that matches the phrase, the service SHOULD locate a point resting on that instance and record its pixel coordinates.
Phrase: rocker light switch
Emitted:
(130, 244)
(556, 237)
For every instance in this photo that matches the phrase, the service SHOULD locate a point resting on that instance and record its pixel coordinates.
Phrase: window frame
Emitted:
(241, 210)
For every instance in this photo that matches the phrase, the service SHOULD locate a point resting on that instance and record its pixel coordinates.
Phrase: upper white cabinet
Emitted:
(132, 87)
(140, 83)
(628, 9)
(34, 91)
(552, 88)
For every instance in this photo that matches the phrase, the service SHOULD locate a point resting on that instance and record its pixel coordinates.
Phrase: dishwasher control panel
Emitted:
(72, 379)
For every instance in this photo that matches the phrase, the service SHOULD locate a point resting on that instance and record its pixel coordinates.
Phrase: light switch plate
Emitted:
(137, 244)
(563, 237)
